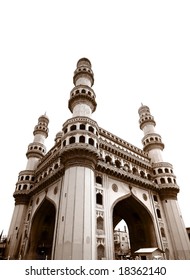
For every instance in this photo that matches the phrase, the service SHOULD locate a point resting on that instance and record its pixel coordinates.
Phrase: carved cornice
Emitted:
(47, 162)
(79, 154)
(109, 136)
(153, 145)
(45, 182)
(82, 98)
(162, 164)
(21, 197)
(168, 193)
(82, 120)
(124, 154)
(125, 175)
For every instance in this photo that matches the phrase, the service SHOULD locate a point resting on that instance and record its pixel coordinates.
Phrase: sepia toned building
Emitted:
(68, 200)
(122, 244)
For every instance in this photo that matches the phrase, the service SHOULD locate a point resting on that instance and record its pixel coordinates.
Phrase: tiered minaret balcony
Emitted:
(36, 149)
(152, 141)
(165, 178)
(82, 97)
(80, 139)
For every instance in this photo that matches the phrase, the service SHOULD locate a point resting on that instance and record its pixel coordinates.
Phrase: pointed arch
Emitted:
(42, 232)
(138, 219)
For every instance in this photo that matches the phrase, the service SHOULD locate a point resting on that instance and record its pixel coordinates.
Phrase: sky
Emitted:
(140, 53)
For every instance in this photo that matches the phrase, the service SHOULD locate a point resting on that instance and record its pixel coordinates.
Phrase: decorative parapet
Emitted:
(123, 144)
(125, 175)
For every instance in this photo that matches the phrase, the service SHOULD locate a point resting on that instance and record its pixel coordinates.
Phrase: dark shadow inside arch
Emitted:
(42, 231)
(139, 222)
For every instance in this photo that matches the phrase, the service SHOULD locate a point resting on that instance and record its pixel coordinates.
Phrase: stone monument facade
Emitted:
(69, 199)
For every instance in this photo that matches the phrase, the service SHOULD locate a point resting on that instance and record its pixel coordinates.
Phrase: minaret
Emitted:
(152, 142)
(37, 149)
(77, 234)
(26, 180)
(168, 188)
(82, 98)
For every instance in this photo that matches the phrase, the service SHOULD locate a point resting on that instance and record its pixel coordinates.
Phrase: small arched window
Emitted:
(71, 140)
(162, 180)
(142, 174)
(169, 180)
(56, 166)
(82, 126)
(91, 129)
(82, 139)
(99, 199)
(159, 170)
(162, 232)
(91, 141)
(118, 163)
(100, 252)
(100, 223)
(28, 217)
(158, 213)
(134, 170)
(73, 127)
(108, 159)
(99, 180)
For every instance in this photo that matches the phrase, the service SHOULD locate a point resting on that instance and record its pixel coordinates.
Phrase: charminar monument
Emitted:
(68, 200)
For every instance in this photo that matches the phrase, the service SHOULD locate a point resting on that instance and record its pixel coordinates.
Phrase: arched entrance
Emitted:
(42, 231)
(139, 222)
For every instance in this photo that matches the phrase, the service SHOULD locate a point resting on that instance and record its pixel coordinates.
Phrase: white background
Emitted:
(140, 52)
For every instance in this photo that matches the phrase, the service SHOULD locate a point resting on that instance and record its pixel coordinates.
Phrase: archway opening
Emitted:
(121, 241)
(42, 231)
(141, 233)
